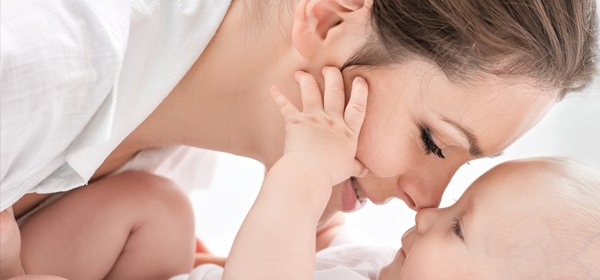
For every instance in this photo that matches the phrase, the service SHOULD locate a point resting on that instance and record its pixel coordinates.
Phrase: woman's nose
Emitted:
(422, 200)
(425, 182)
(419, 194)
(414, 193)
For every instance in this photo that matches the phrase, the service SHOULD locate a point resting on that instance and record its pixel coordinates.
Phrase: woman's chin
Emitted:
(343, 199)
(350, 200)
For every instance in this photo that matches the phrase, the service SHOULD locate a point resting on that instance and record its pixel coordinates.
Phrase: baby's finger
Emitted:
(310, 92)
(356, 108)
(334, 91)
(204, 258)
(359, 170)
(286, 107)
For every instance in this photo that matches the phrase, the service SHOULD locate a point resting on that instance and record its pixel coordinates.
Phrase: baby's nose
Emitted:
(424, 219)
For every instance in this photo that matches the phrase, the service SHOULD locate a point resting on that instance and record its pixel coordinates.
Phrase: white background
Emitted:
(571, 128)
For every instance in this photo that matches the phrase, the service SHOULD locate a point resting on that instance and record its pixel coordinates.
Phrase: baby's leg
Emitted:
(130, 226)
(38, 277)
(10, 251)
(10, 246)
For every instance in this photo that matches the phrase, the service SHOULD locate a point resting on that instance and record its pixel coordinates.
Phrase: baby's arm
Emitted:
(277, 238)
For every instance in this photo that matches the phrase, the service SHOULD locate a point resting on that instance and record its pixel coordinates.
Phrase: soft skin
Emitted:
(505, 226)
(495, 111)
(320, 148)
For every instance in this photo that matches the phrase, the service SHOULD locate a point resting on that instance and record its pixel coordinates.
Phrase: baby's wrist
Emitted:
(298, 187)
(310, 168)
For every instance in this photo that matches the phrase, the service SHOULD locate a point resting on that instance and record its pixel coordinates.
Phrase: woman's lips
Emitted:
(353, 198)
(360, 194)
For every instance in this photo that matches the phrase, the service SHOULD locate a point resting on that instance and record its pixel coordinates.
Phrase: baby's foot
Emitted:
(10, 246)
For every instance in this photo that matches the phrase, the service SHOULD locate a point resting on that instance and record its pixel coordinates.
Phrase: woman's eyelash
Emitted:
(430, 146)
(456, 229)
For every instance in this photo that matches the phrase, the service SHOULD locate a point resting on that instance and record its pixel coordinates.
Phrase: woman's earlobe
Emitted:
(313, 19)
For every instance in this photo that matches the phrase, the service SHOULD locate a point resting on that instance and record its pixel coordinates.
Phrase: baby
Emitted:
(526, 219)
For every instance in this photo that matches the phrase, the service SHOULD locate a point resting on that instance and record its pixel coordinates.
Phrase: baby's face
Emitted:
(502, 225)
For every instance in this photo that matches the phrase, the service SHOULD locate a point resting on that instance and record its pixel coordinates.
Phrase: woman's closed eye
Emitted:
(457, 229)
(430, 146)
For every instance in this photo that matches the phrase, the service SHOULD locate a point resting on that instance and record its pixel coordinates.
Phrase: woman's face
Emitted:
(420, 127)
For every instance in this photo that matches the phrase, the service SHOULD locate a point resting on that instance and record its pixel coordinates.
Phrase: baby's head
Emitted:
(525, 219)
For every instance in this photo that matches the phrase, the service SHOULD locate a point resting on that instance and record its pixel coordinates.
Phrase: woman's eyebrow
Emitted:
(474, 149)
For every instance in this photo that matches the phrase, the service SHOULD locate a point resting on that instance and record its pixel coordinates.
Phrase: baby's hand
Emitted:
(323, 134)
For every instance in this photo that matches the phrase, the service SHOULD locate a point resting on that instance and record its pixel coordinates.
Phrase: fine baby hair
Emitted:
(579, 193)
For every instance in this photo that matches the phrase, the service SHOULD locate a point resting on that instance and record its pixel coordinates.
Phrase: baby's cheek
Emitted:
(392, 271)
(428, 263)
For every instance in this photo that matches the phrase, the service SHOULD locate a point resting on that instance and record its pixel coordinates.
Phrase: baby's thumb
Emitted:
(359, 169)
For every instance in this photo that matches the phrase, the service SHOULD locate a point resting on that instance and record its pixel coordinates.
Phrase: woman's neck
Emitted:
(223, 102)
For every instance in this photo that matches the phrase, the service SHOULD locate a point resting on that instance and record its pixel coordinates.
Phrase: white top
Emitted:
(341, 262)
(77, 76)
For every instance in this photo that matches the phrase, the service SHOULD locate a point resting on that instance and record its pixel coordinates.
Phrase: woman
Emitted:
(448, 82)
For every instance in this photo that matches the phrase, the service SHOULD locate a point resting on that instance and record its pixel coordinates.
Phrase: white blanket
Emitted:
(347, 262)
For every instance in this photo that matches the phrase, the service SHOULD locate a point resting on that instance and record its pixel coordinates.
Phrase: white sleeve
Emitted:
(59, 62)
(77, 76)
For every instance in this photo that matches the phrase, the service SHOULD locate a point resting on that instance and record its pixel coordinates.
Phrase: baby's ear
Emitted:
(313, 19)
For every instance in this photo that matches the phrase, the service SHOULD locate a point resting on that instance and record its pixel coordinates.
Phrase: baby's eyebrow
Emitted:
(463, 226)
(465, 222)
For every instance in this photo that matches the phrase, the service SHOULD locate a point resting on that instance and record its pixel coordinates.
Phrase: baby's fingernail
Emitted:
(363, 173)
(359, 79)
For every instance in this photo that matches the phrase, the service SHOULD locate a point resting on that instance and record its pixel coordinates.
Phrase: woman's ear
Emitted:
(313, 19)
